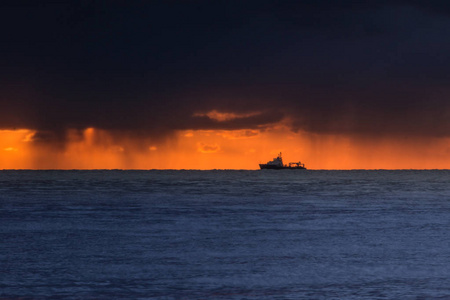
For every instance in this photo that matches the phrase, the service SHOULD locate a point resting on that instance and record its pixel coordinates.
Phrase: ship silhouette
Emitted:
(277, 164)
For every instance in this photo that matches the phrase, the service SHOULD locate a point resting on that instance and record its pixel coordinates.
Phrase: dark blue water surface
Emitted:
(225, 234)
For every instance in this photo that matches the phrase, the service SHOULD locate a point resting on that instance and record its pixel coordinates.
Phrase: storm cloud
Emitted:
(377, 68)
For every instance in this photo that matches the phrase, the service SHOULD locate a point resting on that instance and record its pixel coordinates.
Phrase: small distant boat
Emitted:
(277, 164)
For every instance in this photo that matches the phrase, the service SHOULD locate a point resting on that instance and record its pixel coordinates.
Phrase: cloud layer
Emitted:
(334, 67)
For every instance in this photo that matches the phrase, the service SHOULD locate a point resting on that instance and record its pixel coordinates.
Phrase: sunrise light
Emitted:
(218, 149)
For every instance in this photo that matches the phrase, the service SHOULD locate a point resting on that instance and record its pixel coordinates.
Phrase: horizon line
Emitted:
(118, 169)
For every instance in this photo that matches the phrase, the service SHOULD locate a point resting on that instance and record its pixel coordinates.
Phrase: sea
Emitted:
(225, 234)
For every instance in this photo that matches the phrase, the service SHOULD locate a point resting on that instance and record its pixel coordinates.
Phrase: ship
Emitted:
(277, 164)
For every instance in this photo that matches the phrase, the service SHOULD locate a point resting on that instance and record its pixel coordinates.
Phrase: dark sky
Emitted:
(376, 68)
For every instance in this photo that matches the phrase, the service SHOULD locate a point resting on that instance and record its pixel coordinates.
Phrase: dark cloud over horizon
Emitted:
(371, 68)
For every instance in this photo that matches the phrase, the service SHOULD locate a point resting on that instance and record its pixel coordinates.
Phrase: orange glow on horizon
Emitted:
(15, 148)
(219, 149)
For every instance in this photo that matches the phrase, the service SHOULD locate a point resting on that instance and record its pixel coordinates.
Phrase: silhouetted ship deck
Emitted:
(277, 164)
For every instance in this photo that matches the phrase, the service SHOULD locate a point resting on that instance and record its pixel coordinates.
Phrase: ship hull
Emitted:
(272, 167)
